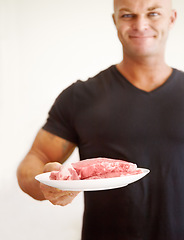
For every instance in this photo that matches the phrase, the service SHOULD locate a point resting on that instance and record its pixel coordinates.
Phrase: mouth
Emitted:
(141, 37)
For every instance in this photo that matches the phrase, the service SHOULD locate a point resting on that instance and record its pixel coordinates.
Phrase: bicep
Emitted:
(51, 148)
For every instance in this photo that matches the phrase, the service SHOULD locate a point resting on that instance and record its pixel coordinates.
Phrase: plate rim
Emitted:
(92, 184)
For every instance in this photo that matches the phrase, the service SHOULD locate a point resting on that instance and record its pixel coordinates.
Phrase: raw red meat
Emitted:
(94, 169)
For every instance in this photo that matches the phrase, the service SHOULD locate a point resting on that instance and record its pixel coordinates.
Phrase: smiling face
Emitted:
(143, 25)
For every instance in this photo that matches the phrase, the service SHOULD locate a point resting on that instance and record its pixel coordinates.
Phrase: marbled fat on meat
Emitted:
(95, 168)
(66, 172)
(101, 167)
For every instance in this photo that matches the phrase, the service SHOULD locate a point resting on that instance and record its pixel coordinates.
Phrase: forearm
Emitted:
(47, 148)
(26, 172)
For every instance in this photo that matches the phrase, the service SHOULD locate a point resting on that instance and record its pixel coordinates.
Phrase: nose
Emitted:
(140, 23)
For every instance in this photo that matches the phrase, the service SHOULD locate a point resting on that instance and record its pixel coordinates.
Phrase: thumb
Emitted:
(53, 166)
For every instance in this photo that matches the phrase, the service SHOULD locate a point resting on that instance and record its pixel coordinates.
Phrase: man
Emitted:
(132, 111)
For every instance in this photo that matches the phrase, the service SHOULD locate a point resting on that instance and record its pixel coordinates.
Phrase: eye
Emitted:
(153, 14)
(128, 15)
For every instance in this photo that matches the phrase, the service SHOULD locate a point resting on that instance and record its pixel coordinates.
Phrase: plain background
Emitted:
(44, 47)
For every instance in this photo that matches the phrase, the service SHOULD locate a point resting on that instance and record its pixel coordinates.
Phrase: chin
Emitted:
(145, 55)
(145, 52)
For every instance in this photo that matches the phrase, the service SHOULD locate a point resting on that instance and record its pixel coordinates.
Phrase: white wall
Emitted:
(45, 46)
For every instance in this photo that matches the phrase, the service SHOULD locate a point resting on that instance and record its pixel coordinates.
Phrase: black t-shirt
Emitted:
(106, 116)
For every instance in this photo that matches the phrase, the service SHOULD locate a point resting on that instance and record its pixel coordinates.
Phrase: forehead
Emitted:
(143, 5)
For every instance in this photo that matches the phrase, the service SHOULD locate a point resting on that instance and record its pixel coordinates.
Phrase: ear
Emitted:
(173, 17)
(113, 17)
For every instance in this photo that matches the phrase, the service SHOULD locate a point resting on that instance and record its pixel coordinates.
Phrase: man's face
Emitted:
(143, 25)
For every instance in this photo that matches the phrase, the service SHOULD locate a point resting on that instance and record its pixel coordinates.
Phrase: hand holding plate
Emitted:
(54, 195)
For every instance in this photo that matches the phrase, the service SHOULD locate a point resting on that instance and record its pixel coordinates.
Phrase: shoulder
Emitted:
(176, 81)
(97, 82)
(178, 76)
(178, 73)
(92, 86)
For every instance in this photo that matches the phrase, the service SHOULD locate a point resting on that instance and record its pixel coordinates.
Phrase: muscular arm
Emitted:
(46, 148)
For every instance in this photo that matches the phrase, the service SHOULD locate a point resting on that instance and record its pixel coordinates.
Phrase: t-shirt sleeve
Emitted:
(60, 120)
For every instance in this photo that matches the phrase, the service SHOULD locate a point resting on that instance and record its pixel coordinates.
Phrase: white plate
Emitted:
(91, 184)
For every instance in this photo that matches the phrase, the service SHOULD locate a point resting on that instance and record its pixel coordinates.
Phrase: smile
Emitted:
(142, 37)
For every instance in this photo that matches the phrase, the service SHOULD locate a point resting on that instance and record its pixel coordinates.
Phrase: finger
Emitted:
(55, 191)
(62, 200)
(52, 166)
(65, 199)
(54, 194)
(47, 190)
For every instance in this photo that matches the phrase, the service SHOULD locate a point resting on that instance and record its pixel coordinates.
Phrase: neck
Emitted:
(145, 73)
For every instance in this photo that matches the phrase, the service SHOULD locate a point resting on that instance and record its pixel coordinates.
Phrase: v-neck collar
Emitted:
(169, 79)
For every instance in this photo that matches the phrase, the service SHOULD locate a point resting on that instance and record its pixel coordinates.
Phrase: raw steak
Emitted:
(94, 169)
